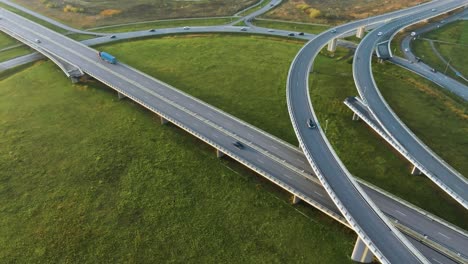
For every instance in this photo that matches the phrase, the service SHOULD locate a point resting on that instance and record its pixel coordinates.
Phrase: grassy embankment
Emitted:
(456, 34)
(87, 178)
(203, 72)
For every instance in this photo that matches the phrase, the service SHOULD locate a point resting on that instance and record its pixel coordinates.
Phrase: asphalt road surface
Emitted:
(285, 174)
(412, 148)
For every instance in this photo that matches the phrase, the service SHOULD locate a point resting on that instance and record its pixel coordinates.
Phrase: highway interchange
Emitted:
(267, 155)
(411, 147)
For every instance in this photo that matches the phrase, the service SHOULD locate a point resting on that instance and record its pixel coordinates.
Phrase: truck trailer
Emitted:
(107, 57)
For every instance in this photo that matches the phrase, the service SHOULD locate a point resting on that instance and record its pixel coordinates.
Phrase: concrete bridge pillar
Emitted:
(121, 96)
(295, 199)
(360, 32)
(219, 153)
(332, 45)
(74, 79)
(415, 171)
(361, 252)
(163, 120)
(355, 117)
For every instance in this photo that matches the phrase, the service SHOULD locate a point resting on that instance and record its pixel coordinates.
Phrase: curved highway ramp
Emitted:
(424, 160)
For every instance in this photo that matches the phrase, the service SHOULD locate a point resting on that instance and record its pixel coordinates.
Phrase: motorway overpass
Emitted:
(424, 160)
(264, 153)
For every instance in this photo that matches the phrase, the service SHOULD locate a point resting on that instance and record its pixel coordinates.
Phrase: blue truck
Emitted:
(107, 57)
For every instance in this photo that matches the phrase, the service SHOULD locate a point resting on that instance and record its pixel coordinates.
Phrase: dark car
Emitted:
(301, 34)
(152, 30)
(291, 34)
(310, 123)
(418, 59)
(113, 36)
(238, 145)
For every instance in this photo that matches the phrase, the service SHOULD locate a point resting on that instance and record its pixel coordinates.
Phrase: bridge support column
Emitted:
(74, 79)
(121, 96)
(355, 117)
(332, 45)
(296, 200)
(163, 120)
(415, 171)
(361, 252)
(360, 32)
(219, 153)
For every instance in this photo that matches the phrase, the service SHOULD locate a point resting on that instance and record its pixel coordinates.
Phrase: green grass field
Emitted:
(314, 29)
(7, 41)
(247, 77)
(15, 52)
(456, 34)
(87, 178)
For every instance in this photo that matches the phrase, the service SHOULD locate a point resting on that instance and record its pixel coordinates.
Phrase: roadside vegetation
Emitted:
(256, 94)
(87, 178)
(88, 14)
(335, 12)
(287, 25)
(453, 42)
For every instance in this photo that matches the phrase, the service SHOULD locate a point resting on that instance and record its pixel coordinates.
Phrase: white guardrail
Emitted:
(229, 153)
(325, 184)
(400, 148)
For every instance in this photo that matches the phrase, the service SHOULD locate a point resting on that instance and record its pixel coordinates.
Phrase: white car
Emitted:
(433, 9)
(380, 33)
(406, 50)
(37, 40)
(186, 28)
(271, 30)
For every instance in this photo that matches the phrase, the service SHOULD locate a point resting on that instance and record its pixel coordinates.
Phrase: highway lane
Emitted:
(438, 78)
(373, 227)
(287, 174)
(49, 20)
(411, 147)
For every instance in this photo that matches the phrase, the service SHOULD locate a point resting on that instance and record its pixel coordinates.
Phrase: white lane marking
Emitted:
(437, 261)
(319, 194)
(301, 161)
(261, 161)
(214, 135)
(250, 135)
(273, 147)
(287, 176)
(443, 235)
(400, 212)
